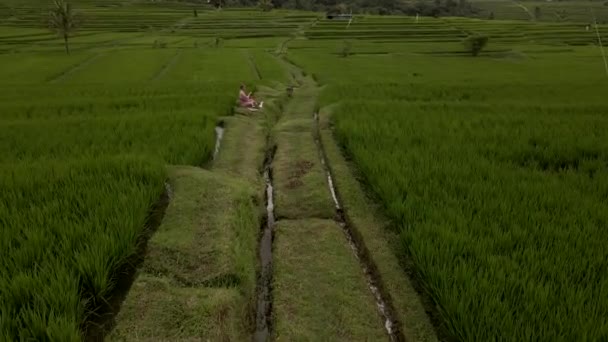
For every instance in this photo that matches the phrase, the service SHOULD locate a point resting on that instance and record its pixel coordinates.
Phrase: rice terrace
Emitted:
(303, 170)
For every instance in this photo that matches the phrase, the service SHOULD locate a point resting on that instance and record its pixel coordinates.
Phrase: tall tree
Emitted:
(64, 21)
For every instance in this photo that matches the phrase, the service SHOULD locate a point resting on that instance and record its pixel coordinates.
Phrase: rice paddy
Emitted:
(491, 171)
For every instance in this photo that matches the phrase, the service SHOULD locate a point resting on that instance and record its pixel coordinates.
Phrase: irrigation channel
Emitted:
(219, 135)
(264, 315)
(369, 269)
(264, 301)
(284, 151)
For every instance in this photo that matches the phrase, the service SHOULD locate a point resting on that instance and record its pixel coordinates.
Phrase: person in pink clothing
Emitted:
(247, 101)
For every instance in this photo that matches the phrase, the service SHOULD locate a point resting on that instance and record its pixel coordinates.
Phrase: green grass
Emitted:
(269, 67)
(159, 310)
(319, 293)
(319, 289)
(492, 169)
(83, 161)
(116, 67)
(301, 187)
(198, 279)
(502, 211)
(530, 202)
(299, 178)
(380, 241)
(37, 68)
(494, 173)
(92, 213)
(242, 148)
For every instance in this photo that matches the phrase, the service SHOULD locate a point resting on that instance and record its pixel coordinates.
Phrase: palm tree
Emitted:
(63, 21)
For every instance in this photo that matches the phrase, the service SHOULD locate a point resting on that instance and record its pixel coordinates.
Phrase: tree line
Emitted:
(383, 7)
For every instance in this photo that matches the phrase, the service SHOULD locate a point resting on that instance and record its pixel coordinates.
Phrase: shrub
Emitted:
(475, 43)
(346, 49)
(160, 44)
(266, 5)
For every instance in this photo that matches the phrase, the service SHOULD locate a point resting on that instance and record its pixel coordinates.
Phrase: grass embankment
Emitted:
(198, 277)
(380, 240)
(198, 280)
(301, 188)
(84, 161)
(319, 292)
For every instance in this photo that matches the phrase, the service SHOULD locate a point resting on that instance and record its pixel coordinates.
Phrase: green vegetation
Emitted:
(301, 189)
(494, 174)
(491, 171)
(499, 221)
(373, 229)
(319, 293)
(319, 289)
(265, 5)
(198, 278)
(84, 142)
(67, 226)
(475, 43)
(346, 48)
(548, 11)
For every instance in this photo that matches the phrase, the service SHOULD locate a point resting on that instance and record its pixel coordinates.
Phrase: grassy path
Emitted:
(198, 280)
(319, 293)
(333, 298)
(372, 230)
(201, 271)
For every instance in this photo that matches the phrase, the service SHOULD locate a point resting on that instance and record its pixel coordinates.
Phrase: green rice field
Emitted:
(492, 170)
(494, 174)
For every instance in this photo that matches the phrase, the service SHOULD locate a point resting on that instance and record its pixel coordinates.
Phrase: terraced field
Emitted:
(85, 143)
(392, 187)
(446, 30)
(497, 195)
(561, 11)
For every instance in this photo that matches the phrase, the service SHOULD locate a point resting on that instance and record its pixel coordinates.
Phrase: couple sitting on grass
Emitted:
(248, 101)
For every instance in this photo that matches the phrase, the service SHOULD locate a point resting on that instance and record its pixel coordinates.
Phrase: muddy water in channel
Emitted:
(219, 134)
(357, 248)
(264, 304)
